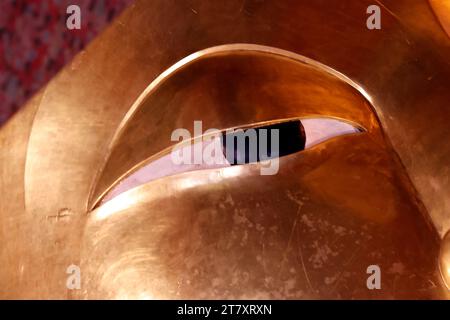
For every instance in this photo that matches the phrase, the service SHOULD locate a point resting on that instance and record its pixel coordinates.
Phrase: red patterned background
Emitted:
(35, 43)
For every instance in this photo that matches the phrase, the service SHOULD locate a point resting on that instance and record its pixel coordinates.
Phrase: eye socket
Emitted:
(236, 147)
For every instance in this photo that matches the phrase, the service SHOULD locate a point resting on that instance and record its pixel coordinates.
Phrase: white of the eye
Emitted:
(318, 130)
(165, 166)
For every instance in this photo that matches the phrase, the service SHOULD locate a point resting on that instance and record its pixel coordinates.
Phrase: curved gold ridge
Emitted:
(442, 11)
(444, 260)
(227, 49)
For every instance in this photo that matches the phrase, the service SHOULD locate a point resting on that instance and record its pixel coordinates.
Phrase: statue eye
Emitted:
(237, 146)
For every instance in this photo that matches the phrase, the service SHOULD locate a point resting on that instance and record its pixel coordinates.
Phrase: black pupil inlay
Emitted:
(254, 144)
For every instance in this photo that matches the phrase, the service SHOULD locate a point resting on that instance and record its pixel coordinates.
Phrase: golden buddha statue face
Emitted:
(354, 206)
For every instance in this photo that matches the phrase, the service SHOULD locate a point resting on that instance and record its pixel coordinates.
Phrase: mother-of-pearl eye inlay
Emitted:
(316, 130)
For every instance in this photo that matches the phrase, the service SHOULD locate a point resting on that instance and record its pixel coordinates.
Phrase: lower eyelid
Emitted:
(316, 130)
